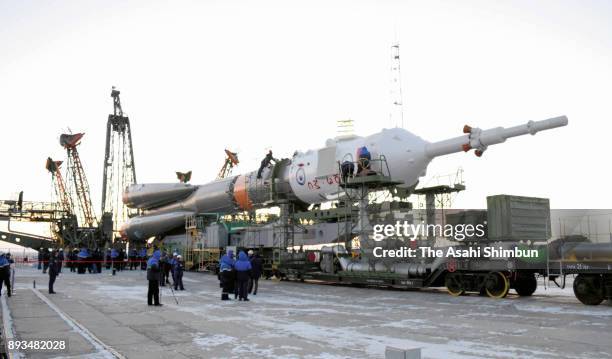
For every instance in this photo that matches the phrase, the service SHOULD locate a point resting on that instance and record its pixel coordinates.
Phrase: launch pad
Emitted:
(106, 316)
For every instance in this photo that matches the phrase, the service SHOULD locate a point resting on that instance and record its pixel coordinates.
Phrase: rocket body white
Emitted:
(314, 176)
(309, 177)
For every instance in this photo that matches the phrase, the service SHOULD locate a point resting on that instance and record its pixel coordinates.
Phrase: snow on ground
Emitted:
(305, 320)
(208, 342)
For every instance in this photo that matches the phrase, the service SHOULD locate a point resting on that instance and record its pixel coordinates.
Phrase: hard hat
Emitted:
(250, 252)
(179, 256)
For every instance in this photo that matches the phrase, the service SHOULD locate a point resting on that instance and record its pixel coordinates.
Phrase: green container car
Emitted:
(517, 218)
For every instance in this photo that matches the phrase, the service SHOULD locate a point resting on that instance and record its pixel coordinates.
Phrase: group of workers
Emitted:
(76, 260)
(44, 255)
(137, 258)
(240, 276)
(85, 261)
(50, 261)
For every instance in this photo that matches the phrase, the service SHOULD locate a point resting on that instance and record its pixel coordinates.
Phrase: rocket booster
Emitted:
(308, 178)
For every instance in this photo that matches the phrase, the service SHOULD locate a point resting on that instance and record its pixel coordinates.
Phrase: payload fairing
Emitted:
(309, 177)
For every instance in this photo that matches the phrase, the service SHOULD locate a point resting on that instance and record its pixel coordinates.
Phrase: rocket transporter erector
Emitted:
(308, 178)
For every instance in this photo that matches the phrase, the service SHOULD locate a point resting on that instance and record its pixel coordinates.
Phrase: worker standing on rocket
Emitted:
(265, 163)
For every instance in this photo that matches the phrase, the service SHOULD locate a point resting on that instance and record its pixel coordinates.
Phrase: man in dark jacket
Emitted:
(153, 278)
(40, 257)
(178, 267)
(133, 258)
(256, 271)
(73, 260)
(243, 274)
(115, 259)
(98, 256)
(11, 271)
(60, 260)
(265, 163)
(45, 257)
(5, 273)
(142, 256)
(163, 259)
(167, 267)
(121, 259)
(108, 259)
(53, 270)
(69, 259)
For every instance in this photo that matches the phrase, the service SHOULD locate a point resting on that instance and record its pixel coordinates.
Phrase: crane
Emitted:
(231, 160)
(119, 166)
(76, 173)
(59, 185)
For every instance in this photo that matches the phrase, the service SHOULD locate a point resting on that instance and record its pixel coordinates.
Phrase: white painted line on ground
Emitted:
(7, 326)
(103, 348)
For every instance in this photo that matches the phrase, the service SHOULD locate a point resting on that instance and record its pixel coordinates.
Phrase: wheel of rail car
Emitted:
(525, 284)
(497, 285)
(588, 289)
(453, 284)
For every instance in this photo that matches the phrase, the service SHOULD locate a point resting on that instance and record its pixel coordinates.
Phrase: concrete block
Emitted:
(397, 353)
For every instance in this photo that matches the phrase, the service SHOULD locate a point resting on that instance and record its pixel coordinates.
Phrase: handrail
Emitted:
(380, 163)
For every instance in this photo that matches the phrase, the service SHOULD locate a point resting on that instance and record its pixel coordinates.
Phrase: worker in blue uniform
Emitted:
(243, 274)
(153, 271)
(178, 266)
(226, 274)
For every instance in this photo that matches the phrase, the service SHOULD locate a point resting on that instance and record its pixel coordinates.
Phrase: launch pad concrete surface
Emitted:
(105, 316)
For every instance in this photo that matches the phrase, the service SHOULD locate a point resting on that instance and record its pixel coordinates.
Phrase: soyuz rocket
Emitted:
(309, 177)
